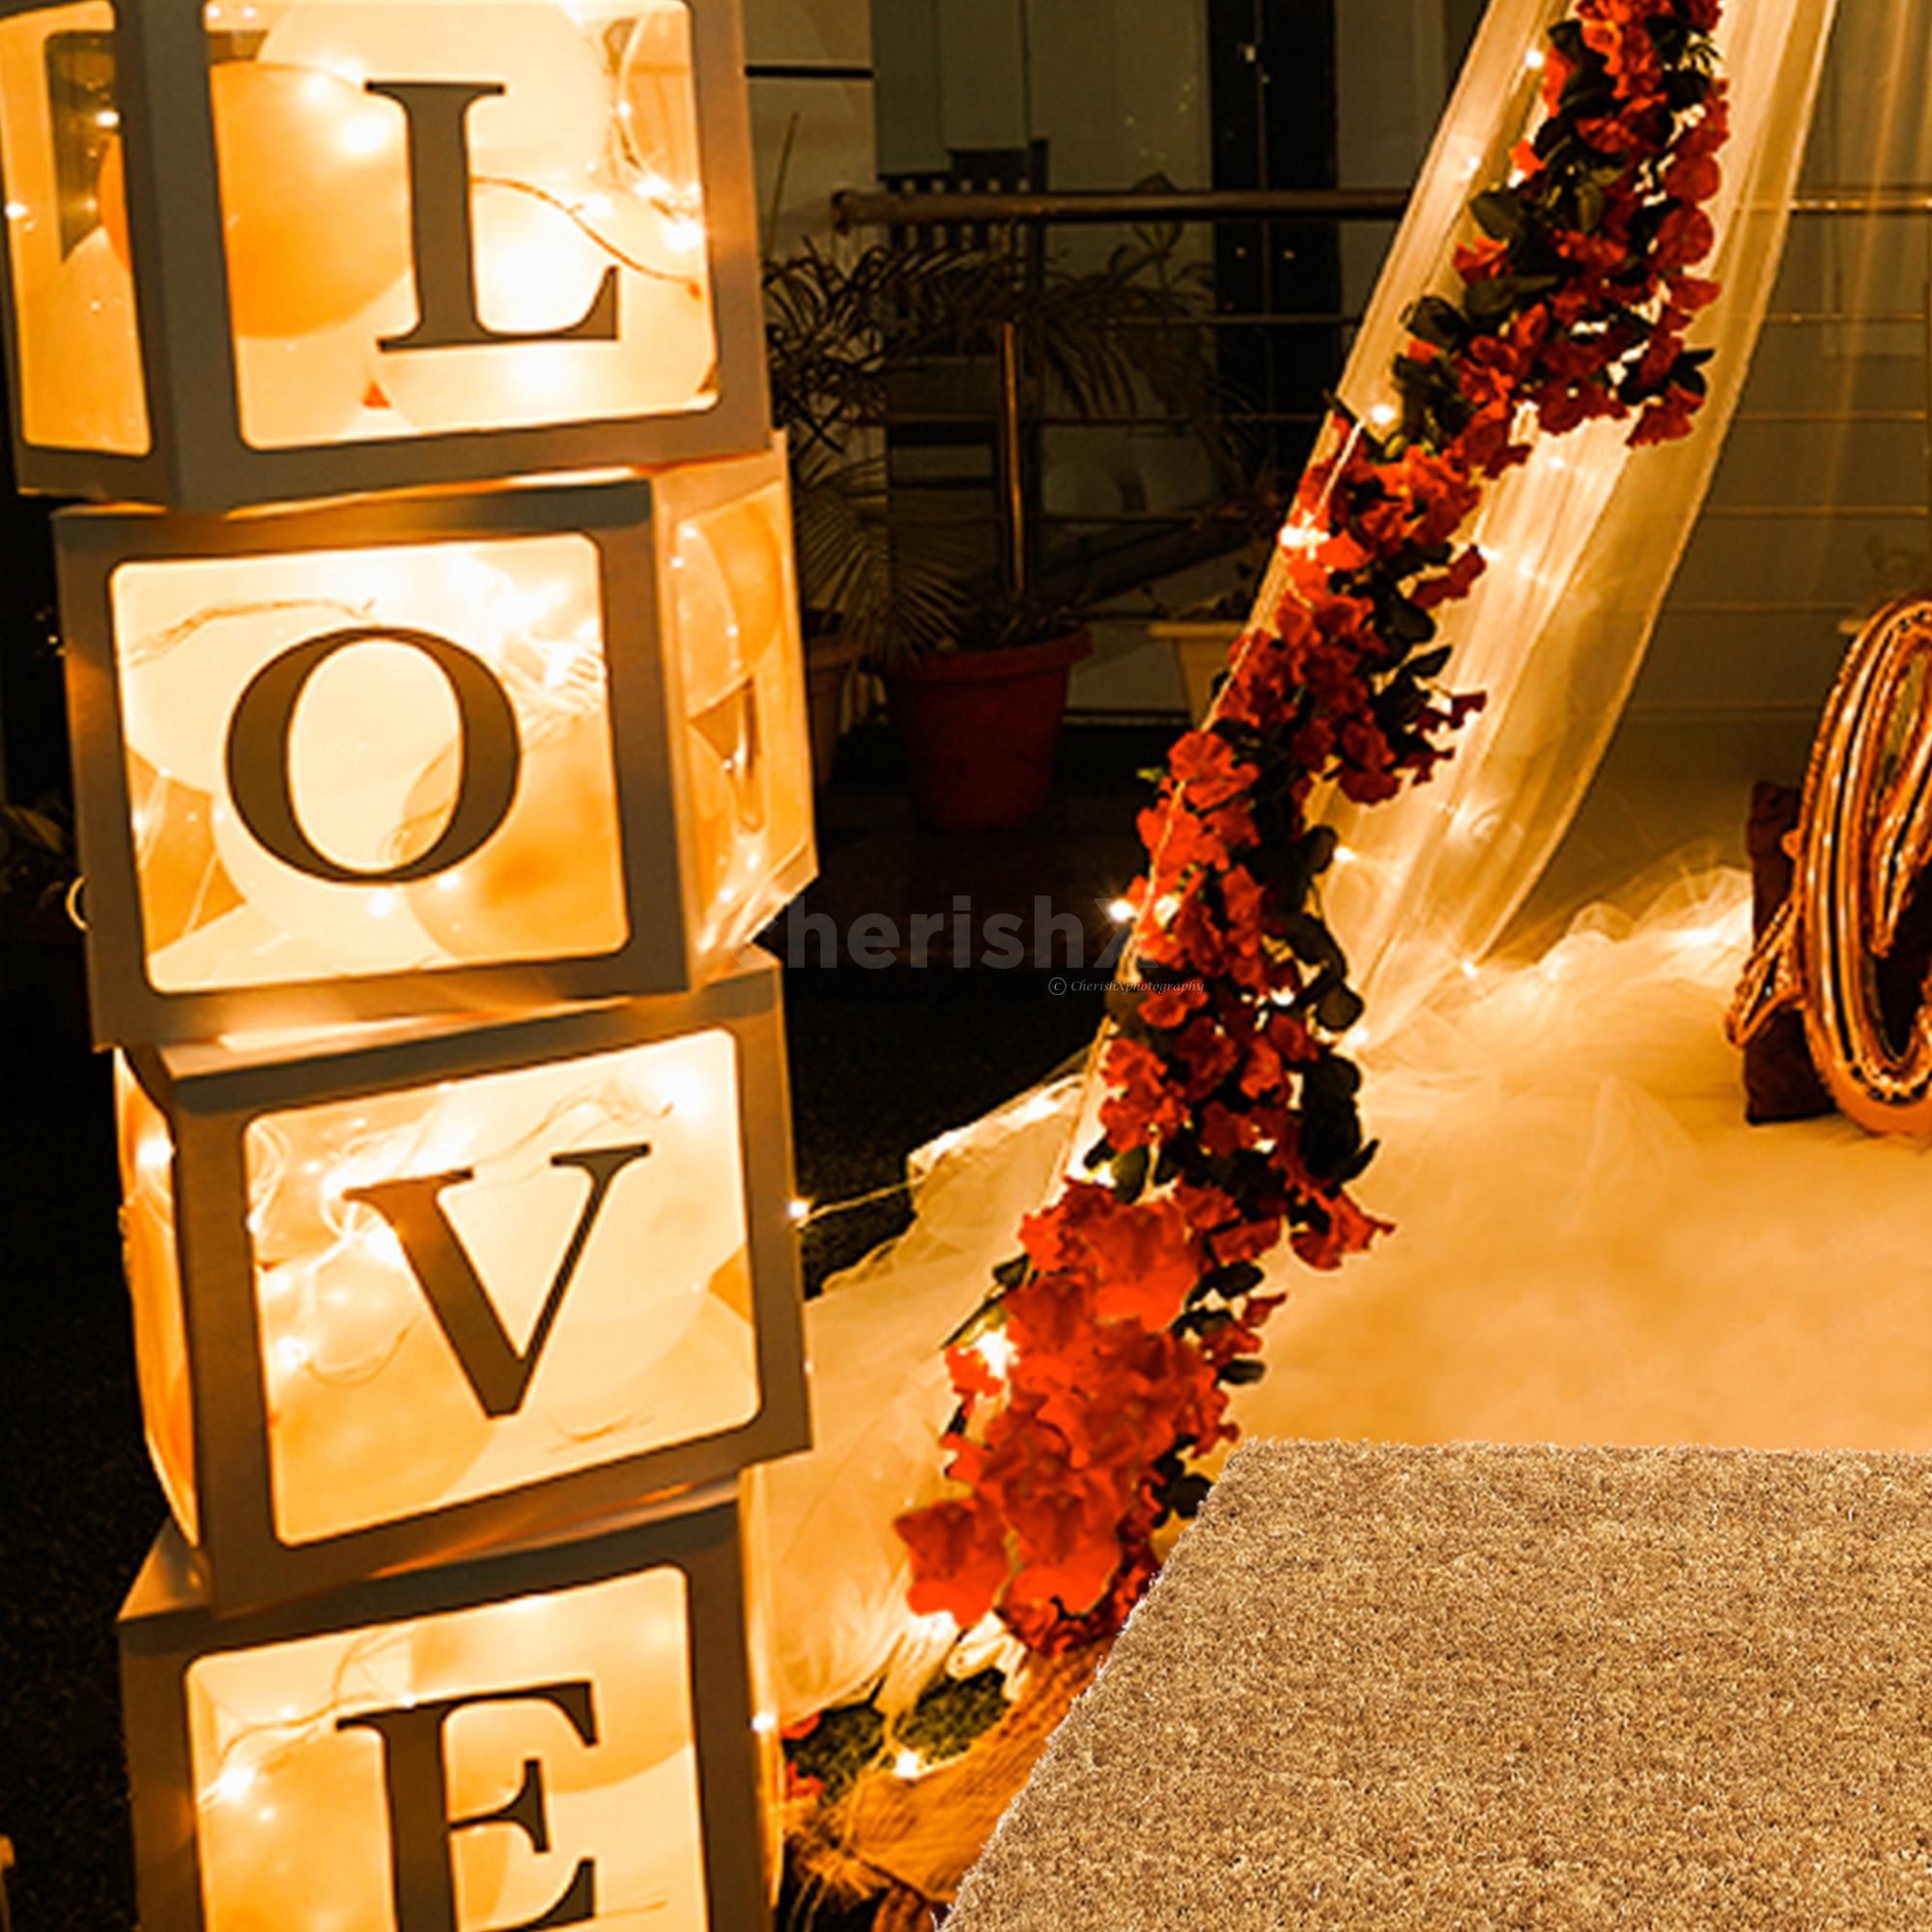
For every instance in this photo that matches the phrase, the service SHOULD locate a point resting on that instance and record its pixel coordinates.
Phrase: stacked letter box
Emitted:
(441, 746)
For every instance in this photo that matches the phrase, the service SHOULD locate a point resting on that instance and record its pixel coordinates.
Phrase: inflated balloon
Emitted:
(708, 636)
(304, 388)
(153, 1265)
(244, 947)
(80, 355)
(110, 199)
(658, 101)
(292, 1808)
(528, 884)
(357, 929)
(181, 882)
(315, 197)
(751, 545)
(541, 251)
(713, 817)
(553, 118)
(732, 1284)
(750, 791)
(343, 1451)
(637, 1657)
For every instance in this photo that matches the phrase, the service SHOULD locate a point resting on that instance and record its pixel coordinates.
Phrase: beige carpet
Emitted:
(1396, 1689)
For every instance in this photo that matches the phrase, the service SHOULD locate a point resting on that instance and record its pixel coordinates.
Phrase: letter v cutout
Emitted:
(500, 1376)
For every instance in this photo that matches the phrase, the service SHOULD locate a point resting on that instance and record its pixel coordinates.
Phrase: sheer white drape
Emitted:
(1583, 540)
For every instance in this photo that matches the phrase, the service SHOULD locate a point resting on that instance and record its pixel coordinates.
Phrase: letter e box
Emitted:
(549, 1736)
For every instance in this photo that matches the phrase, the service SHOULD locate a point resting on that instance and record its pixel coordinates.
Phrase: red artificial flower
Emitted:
(1666, 420)
(1349, 1232)
(1201, 765)
(1148, 1262)
(1685, 235)
(1063, 1460)
(1144, 1101)
(958, 1559)
(1169, 1007)
(1456, 582)
(972, 1375)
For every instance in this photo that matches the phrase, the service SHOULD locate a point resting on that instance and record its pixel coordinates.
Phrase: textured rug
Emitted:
(1386, 1689)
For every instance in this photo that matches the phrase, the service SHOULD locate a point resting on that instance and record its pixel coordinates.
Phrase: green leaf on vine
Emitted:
(1311, 943)
(1339, 1008)
(1500, 214)
(1439, 322)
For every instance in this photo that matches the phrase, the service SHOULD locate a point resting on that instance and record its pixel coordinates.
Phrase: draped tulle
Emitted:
(1583, 540)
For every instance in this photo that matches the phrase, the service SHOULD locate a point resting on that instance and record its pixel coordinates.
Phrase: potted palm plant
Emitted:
(976, 653)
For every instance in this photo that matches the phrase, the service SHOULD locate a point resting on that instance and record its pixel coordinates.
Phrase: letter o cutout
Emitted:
(491, 755)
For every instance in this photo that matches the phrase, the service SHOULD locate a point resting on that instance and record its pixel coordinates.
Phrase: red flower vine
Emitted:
(1101, 1364)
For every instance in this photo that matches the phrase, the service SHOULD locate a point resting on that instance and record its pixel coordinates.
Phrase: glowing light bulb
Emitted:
(233, 1782)
(683, 232)
(17, 211)
(996, 1349)
(363, 134)
(1383, 415)
(1299, 535)
(801, 1211)
(107, 118)
(1470, 970)
(908, 1764)
(1121, 911)
(1346, 855)
(1535, 60)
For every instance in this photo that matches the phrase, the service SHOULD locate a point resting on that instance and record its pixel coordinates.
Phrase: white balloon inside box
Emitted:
(480, 748)
(76, 335)
(513, 1736)
(411, 241)
(398, 1291)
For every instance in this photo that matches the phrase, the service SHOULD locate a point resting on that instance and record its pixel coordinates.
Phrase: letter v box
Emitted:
(479, 749)
(263, 250)
(551, 1736)
(404, 1294)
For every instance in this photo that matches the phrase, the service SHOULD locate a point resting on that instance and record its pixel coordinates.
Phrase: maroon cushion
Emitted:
(1780, 1082)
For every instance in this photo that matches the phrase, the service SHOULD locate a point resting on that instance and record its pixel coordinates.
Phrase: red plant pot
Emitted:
(979, 729)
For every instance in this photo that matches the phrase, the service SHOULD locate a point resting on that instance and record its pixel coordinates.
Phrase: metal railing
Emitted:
(1012, 212)
(1007, 213)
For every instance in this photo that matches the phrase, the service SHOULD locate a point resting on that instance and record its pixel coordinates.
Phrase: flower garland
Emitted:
(1102, 1363)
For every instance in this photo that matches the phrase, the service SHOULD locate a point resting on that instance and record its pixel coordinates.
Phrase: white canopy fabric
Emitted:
(1583, 541)
(1527, 1115)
